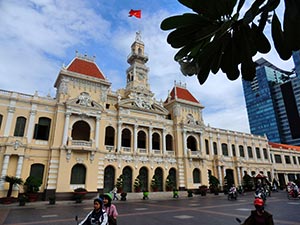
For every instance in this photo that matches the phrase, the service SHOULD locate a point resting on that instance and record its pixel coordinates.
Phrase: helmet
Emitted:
(258, 202)
(108, 195)
(99, 200)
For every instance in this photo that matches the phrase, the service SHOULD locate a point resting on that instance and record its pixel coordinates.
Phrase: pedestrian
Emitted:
(114, 191)
(259, 216)
(110, 209)
(97, 216)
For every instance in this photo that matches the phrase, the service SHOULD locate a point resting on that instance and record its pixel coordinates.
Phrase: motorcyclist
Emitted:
(259, 215)
(232, 192)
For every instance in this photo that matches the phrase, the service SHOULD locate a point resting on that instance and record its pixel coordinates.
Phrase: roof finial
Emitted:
(138, 36)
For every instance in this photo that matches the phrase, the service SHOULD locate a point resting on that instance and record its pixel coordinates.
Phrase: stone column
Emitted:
(4, 170)
(220, 175)
(239, 175)
(184, 143)
(97, 133)
(164, 142)
(30, 128)
(150, 141)
(119, 137)
(135, 138)
(66, 128)
(10, 114)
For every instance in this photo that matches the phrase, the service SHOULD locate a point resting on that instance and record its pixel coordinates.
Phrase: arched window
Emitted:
(81, 131)
(191, 143)
(156, 141)
(78, 174)
(169, 143)
(207, 147)
(215, 148)
(42, 129)
(196, 176)
(1, 118)
(20, 126)
(241, 149)
(126, 138)
(110, 136)
(250, 153)
(141, 139)
(37, 171)
(224, 149)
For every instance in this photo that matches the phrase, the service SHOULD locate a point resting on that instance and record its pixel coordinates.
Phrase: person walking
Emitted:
(97, 216)
(110, 209)
(259, 216)
(114, 192)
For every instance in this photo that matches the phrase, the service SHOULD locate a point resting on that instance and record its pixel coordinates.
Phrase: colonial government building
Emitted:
(89, 135)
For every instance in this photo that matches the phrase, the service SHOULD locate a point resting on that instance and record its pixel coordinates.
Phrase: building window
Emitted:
(169, 142)
(42, 129)
(257, 153)
(155, 141)
(141, 139)
(265, 153)
(196, 176)
(294, 160)
(81, 131)
(207, 147)
(191, 143)
(37, 171)
(78, 174)
(278, 159)
(20, 127)
(298, 160)
(287, 159)
(224, 149)
(233, 150)
(215, 148)
(109, 136)
(1, 117)
(126, 138)
(242, 152)
(250, 153)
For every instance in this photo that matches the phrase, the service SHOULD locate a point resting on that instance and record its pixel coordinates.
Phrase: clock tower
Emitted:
(137, 73)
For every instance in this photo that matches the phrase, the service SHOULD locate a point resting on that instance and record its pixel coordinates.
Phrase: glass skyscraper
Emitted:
(273, 103)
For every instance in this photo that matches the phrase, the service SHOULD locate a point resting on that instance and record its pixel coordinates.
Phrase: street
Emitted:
(204, 210)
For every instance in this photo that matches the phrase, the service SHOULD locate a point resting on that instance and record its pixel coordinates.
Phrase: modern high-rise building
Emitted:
(273, 103)
(296, 58)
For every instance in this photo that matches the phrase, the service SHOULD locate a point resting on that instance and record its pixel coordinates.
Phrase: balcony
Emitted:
(81, 143)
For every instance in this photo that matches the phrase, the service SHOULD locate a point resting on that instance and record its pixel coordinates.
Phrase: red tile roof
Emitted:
(284, 146)
(85, 67)
(182, 93)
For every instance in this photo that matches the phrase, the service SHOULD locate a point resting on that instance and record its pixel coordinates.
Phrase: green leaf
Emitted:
(261, 41)
(253, 11)
(278, 39)
(248, 70)
(186, 19)
(291, 24)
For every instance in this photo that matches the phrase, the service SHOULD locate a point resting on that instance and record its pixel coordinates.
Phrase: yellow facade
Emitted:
(88, 135)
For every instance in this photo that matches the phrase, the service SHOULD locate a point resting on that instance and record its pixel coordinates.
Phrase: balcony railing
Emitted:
(126, 149)
(82, 143)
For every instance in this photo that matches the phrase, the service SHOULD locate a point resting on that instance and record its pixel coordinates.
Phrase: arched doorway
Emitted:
(171, 180)
(109, 178)
(159, 178)
(127, 179)
(143, 175)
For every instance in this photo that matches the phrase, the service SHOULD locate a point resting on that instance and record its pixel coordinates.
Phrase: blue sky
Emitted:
(37, 37)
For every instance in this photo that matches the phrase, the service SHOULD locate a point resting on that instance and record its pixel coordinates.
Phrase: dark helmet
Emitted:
(99, 200)
(258, 202)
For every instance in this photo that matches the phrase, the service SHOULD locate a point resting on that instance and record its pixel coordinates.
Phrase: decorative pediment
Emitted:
(142, 102)
(84, 100)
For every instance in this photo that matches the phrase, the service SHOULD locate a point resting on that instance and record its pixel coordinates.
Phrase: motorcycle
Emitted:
(260, 194)
(292, 194)
(232, 194)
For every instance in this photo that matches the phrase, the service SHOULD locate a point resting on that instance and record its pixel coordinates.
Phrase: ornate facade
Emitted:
(88, 135)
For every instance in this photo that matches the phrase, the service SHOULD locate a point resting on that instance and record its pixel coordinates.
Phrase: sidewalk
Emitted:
(130, 197)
